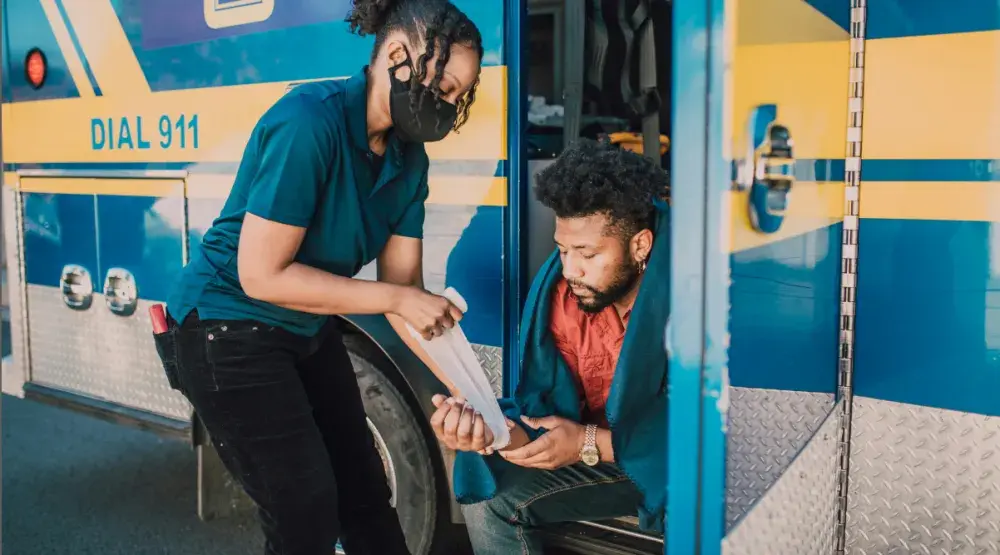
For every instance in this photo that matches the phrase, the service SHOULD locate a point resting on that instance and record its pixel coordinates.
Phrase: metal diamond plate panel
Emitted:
(767, 428)
(13, 368)
(798, 515)
(922, 480)
(492, 360)
(99, 354)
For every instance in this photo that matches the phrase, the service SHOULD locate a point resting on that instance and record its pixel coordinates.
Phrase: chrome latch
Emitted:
(767, 170)
(76, 286)
(120, 292)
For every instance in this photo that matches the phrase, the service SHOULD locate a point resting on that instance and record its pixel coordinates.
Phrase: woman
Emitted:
(334, 176)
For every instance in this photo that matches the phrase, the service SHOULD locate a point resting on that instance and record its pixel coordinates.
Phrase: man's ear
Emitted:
(641, 245)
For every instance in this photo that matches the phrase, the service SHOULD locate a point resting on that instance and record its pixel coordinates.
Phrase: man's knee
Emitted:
(502, 507)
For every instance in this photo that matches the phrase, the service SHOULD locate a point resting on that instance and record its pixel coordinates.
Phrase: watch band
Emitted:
(590, 439)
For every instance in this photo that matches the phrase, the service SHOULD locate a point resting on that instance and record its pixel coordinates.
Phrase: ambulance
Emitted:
(834, 341)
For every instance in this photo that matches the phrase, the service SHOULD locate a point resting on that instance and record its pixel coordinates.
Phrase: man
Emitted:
(561, 463)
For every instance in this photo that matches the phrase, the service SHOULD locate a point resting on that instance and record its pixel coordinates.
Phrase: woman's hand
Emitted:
(429, 314)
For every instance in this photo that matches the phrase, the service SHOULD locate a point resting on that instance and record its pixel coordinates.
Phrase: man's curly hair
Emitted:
(596, 178)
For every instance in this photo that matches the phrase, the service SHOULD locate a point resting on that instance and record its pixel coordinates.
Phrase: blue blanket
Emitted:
(637, 403)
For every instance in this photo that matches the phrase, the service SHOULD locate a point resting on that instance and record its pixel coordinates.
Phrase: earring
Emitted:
(642, 266)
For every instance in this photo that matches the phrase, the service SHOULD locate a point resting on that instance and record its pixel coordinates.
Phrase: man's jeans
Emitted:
(285, 414)
(527, 499)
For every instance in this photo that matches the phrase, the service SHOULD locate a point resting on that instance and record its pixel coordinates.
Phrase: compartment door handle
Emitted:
(767, 169)
(76, 286)
(120, 292)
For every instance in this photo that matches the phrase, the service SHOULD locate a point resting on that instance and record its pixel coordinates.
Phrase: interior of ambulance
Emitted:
(596, 69)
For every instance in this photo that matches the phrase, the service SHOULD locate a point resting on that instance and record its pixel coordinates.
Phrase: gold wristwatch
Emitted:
(589, 454)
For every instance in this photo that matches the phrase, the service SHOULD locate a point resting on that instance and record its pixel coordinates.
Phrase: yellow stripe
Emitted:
(10, 179)
(931, 200)
(97, 186)
(444, 189)
(469, 191)
(808, 82)
(782, 22)
(812, 206)
(73, 62)
(106, 47)
(55, 131)
(933, 96)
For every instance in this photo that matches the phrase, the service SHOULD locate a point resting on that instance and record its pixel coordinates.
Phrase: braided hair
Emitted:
(438, 22)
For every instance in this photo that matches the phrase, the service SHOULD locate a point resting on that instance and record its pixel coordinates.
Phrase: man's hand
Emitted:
(558, 447)
(461, 428)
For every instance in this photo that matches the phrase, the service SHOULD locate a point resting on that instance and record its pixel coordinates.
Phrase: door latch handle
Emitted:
(76, 286)
(120, 292)
(767, 169)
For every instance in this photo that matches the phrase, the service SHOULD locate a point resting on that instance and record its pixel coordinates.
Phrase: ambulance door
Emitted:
(97, 251)
(776, 131)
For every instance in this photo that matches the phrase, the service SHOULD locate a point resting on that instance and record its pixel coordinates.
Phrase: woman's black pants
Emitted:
(285, 414)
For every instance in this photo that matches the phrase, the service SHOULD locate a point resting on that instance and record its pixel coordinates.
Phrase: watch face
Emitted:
(590, 457)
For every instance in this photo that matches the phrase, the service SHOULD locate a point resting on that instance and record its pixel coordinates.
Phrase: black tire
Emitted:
(411, 468)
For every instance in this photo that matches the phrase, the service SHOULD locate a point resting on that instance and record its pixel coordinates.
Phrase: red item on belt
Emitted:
(159, 319)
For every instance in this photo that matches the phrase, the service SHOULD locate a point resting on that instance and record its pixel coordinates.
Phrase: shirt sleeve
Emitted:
(412, 222)
(294, 155)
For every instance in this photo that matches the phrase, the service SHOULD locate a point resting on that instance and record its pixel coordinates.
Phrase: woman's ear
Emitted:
(396, 54)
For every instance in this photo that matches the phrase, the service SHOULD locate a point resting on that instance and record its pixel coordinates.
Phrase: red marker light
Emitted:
(159, 319)
(35, 68)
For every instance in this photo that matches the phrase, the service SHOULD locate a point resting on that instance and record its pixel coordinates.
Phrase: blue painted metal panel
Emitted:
(201, 213)
(475, 269)
(717, 283)
(5, 54)
(838, 11)
(931, 170)
(515, 251)
(686, 331)
(303, 39)
(59, 230)
(784, 316)
(144, 236)
(27, 27)
(907, 18)
(928, 321)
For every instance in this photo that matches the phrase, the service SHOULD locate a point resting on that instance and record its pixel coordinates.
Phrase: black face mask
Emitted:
(424, 123)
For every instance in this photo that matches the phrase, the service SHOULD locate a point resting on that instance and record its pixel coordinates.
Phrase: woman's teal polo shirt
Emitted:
(308, 164)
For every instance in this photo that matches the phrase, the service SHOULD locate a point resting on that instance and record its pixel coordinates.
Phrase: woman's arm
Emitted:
(268, 272)
(401, 263)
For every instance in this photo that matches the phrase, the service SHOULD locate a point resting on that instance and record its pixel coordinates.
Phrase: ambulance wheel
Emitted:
(406, 455)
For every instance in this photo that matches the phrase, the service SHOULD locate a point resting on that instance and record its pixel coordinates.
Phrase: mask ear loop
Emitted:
(406, 62)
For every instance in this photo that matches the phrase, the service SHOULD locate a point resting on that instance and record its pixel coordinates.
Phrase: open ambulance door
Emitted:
(760, 128)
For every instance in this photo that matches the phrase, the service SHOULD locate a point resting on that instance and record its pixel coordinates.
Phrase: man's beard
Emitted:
(625, 279)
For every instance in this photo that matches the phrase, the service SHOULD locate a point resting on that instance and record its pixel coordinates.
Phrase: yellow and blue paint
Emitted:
(147, 107)
(784, 294)
(928, 316)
